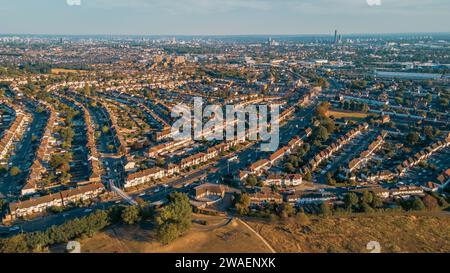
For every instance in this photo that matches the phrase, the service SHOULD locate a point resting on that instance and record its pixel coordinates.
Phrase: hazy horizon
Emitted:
(223, 17)
(330, 34)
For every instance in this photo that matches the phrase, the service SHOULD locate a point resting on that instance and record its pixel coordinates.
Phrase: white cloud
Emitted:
(73, 2)
(374, 2)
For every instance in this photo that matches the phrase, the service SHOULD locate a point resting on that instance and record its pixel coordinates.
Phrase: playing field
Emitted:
(65, 71)
(345, 114)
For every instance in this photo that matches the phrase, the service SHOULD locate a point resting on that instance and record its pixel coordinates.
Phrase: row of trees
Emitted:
(365, 202)
(39, 241)
(283, 210)
(355, 106)
(172, 220)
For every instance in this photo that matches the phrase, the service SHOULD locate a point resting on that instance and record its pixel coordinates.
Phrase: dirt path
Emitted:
(258, 235)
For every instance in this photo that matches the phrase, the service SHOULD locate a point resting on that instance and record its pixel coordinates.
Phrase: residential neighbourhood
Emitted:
(87, 125)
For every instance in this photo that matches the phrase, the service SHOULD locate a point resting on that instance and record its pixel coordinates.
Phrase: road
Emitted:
(213, 172)
(25, 152)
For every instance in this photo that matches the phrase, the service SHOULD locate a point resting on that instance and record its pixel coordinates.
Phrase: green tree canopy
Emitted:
(131, 215)
(175, 219)
(351, 199)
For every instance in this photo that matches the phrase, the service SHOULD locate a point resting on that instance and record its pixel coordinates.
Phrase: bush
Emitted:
(325, 209)
(15, 171)
(131, 215)
(417, 204)
(430, 202)
(303, 219)
(242, 204)
(366, 208)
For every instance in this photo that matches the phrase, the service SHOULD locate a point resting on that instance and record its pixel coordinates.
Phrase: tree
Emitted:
(242, 204)
(105, 129)
(417, 204)
(330, 180)
(329, 124)
(367, 197)
(56, 161)
(444, 102)
(251, 181)
(366, 208)
(67, 134)
(321, 82)
(131, 215)
(365, 108)
(428, 131)
(308, 176)
(285, 210)
(376, 201)
(325, 209)
(15, 171)
(430, 202)
(322, 109)
(350, 199)
(441, 200)
(37, 241)
(175, 219)
(2, 203)
(160, 162)
(16, 244)
(346, 105)
(322, 133)
(289, 167)
(413, 138)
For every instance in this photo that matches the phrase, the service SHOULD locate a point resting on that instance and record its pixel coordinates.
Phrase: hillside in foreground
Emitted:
(395, 233)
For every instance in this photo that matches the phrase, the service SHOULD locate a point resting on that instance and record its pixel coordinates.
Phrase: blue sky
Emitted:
(222, 17)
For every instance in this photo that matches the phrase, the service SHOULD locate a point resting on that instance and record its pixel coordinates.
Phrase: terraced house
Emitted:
(41, 204)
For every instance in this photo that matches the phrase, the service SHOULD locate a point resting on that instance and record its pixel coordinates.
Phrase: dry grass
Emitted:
(65, 71)
(345, 114)
(213, 238)
(395, 233)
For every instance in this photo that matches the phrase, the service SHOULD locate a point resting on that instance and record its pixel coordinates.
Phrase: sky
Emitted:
(222, 17)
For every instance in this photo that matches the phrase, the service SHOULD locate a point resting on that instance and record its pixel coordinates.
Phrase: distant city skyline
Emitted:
(223, 17)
